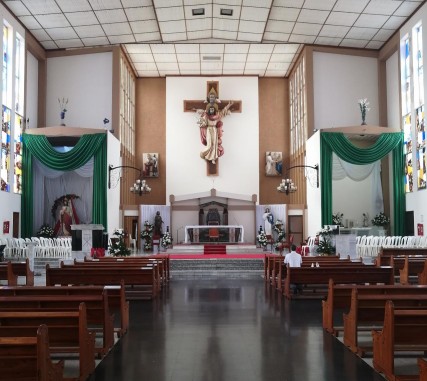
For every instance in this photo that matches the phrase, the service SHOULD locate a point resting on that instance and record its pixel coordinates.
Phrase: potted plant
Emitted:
(45, 231)
(147, 236)
(380, 220)
(262, 240)
(165, 240)
(118, 247)
(325, 244)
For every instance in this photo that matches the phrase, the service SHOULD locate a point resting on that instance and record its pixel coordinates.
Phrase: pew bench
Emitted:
(422, 364)
(99, 319)
(319, 276)
(157, 267)
(411, 268)
(404, 331)
(7, 274)
(139, 282)
(279, 280)
(339, 298)
(163, 259)
(367, 313)
(115, 295)
(27, 358)
(68, 333)
(23, 269)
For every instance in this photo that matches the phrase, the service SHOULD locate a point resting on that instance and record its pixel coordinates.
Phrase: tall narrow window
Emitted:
(6, 109)
(19, 112)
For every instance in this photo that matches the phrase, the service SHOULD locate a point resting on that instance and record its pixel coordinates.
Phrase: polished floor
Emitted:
(228, 330)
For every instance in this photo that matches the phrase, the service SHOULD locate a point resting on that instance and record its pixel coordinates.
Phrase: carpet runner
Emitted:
(214, 250)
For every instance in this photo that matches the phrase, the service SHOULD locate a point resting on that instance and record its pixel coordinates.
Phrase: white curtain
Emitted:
(49, 184)
(342, 169)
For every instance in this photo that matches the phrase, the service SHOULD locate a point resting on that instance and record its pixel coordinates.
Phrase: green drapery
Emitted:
(345, 150)
(88, 145)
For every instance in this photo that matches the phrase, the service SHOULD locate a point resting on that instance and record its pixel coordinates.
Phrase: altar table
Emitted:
(227, 233)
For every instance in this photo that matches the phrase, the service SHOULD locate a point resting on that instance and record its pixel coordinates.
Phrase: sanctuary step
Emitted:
(216, 268)
(214, 249)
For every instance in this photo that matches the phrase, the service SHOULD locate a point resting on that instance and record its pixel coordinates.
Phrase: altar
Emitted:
(224, 233)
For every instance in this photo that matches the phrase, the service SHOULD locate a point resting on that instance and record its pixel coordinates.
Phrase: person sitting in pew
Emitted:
(293, 259)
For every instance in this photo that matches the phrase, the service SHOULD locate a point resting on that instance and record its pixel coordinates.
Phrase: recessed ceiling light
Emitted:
(211, 58)
(198, 11)
(226, 12)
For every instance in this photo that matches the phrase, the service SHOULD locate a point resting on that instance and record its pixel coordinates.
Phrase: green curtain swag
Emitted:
(345, 150)
(88, 145)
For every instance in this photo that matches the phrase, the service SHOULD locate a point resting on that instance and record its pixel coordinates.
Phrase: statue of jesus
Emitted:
(210, 123)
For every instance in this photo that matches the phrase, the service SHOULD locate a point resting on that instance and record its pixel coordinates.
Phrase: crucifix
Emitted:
(211, 111)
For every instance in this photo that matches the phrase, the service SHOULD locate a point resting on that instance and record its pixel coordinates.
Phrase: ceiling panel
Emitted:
(260, 38)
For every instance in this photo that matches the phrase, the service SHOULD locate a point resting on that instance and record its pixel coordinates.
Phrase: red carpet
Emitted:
(214, 250)
(217, 256)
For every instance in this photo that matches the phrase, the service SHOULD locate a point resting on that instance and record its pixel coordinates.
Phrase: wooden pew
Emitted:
(115, 294)
(28, 358)
(403, 331)
(68, 333)
(98, 314)
(368, 310)
(139, 282)
(156, 265)
(339, 298)
(412, 267)
(422, 364)
(422, 276)
(23, 269)
(95, 265)
(402, 251)
(280, 279)
(339, 274)
(6, 273)
(161, 258)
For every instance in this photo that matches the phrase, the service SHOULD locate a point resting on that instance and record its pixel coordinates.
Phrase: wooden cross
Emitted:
(192, 105)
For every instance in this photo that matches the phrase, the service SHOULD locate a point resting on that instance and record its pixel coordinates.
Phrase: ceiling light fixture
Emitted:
(211, 58)
(287, 185)
(198, 11)
(226, 12)
(139, 187)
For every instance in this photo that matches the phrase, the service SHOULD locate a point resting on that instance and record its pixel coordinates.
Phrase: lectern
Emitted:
(84, 237)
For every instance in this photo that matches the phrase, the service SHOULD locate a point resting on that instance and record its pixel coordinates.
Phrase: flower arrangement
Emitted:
(262, 239)
(325, 244)
(118, 247)
(166, 240)
(337, 218)
(147, 236)
(363, 105)
(279, 244)
(63, 107)
(380, 220)
(45, 231)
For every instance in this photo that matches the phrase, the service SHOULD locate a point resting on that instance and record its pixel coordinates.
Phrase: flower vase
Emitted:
(62, 115)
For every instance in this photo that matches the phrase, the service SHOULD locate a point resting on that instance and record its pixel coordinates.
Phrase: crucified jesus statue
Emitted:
(210, 123)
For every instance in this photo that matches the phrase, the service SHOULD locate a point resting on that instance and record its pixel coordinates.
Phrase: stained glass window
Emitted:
(5, 150)
(418, 66)
(421, 148)
(409, 182)
(6, 111)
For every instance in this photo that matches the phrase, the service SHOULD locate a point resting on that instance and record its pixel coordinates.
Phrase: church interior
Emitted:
(170, 157)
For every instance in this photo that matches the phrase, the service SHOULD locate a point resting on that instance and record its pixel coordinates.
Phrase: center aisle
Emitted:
(228, 330)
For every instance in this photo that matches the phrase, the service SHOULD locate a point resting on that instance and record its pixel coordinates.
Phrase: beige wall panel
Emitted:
(274, 134)
(151, 133)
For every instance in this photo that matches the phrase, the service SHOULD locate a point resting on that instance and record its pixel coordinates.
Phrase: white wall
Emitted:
(238, 167)
(86, 80)
(339, 81)
(31, 101)
(416, 200)
(113, 195)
